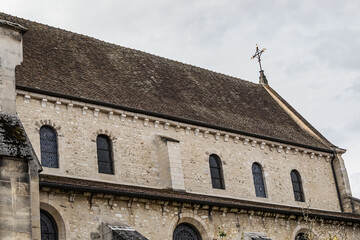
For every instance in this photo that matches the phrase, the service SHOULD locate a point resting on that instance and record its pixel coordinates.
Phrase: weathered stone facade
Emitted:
(138, 146)
(138, 158)
(158, 219)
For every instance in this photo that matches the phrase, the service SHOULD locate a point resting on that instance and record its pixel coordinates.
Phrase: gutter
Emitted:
(192, 201)
(173, 118)
(336, 183)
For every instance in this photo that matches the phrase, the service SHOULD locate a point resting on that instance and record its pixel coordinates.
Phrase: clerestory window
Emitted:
(258, 180)
(297, 186)
(48, 147)
(216, 172)
(104, 154)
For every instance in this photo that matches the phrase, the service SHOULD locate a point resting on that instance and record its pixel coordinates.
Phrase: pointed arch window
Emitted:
(258, 180)
(104, 154)
(297, 186)
(48, 147)
(216, 172)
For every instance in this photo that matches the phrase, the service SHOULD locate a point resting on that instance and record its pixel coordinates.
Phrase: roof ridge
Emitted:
(132, 49)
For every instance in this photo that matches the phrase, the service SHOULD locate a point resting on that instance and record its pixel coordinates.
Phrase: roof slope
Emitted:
(13, 139)
(71, 64)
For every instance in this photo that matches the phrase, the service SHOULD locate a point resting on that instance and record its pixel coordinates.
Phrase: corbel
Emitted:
(84, 108)
(71, 197)
(217, 136)
(27, 98)
(57, 105)
(206, 133)
(262, 145)
(123, 117)
(197, 132)
(110, 115)
(253, 143)
(287, 150)
(156, 124)
(70, 106)
(134, 119)
(43, 102)
(226, 137)
(96, 112)
(146, 122)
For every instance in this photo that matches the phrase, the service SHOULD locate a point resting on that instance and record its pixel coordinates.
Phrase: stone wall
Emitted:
(136, 154)
(85, 214)
(15, 199)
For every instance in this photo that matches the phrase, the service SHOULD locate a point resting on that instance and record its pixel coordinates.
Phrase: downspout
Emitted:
(336, 183)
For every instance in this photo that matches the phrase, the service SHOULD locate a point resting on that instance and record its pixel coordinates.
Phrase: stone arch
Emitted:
(50, 123)
(299, 229)
(103, 132)
(57, 217)
(204, 230)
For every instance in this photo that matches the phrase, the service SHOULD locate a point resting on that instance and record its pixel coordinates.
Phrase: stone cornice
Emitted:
(74, 186)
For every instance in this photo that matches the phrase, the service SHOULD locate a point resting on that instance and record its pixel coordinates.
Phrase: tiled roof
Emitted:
(13, 139)
(70, 64)
(81, 185)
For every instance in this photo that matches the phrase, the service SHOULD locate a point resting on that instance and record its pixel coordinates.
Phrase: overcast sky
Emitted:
(312, 57)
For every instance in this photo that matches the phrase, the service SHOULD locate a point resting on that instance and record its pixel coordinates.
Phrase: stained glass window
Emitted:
(297, 186)
(258, 180)
(216, 172)
(48, 147)
(186, 232)
(104, 154)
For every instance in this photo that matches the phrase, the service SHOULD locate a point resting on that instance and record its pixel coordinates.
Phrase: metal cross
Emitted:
(258, 55)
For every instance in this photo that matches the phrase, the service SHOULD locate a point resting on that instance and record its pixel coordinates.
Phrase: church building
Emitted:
(99, 141)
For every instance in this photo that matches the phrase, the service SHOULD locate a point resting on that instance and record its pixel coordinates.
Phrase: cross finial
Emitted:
(258, 55)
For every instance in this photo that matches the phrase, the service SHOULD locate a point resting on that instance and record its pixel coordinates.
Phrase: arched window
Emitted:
(301, 236)
(49, 230)
(48, 147)
(258, 180)
(297, 186)
(217, 177)
(186, 231)
(104, 154)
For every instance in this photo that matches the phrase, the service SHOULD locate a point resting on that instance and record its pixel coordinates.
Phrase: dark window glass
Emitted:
(186, 232)
(258, 180)
(104, 154)
(48, 227)
(297, 186)
(217, 178)
(301, 236)
(48, 147)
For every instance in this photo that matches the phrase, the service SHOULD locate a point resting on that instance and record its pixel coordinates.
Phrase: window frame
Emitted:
(110, 154)
(43, 142)
(218, 168)
(256, 177)
(297, 183)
